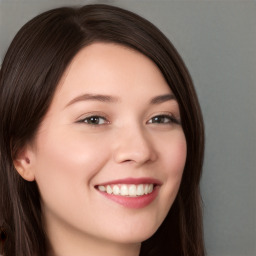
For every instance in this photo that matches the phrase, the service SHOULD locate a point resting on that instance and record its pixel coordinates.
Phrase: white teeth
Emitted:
(140, 190)
(150, 188)
(131, 190)
(146, 189)
(109, 189)
(116, 190)
(102, 188)
(124, 190)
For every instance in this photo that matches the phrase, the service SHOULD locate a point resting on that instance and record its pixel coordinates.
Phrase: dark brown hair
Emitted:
(31, 70)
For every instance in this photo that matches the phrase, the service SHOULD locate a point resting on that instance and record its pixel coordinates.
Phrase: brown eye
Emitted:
(163, 119)
(94, 120)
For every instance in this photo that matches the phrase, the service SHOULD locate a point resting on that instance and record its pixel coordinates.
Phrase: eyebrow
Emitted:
(162, 98)
(93, 97)
(111, 99)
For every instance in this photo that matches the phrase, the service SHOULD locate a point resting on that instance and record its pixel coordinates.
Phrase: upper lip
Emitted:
(136, 181)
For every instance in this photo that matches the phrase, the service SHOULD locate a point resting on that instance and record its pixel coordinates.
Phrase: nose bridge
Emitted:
(133, 144)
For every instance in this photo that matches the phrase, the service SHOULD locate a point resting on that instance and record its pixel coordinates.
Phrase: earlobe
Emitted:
(23, 165)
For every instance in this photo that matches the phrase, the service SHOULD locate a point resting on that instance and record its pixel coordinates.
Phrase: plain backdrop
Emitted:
(217, 40)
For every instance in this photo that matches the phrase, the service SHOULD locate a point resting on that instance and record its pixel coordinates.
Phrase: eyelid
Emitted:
(174, 119)
(82, 118)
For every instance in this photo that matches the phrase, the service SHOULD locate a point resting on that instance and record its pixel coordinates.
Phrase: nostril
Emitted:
(131, 151)
(127, 161)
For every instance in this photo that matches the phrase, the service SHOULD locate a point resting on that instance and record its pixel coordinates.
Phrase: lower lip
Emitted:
(133, 202)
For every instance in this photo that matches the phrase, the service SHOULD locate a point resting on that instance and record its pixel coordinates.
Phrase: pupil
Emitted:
(94, 120)
(158, 119)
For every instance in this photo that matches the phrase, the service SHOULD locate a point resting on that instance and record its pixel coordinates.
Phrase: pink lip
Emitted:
(133, 181)
(133, 202)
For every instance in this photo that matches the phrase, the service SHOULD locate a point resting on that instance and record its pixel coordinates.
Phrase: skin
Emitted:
(70, 156)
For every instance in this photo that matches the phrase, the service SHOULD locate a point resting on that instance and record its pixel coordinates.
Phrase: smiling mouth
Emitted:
(131, 193)
(127, 190)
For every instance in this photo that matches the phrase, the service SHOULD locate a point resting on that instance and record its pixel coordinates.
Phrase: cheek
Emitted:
(67, 161)
(174, 155)
(174, 159)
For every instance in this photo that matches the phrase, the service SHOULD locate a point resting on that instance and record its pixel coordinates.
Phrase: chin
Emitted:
(134, 235)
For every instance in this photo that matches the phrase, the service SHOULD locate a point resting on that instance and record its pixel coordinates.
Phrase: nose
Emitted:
(133, 144)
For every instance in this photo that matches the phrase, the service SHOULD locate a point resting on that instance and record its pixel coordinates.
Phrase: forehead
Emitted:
(112, 69)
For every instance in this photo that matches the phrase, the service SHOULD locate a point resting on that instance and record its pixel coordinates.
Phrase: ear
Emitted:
(23, 163)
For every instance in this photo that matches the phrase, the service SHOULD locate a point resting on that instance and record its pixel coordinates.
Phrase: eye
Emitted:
(94, 120)
(163, 119)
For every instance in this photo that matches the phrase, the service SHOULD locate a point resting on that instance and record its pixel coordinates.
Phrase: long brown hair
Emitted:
(31, 70)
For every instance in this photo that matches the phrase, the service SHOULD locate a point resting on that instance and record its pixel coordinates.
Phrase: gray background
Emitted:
(217, 40)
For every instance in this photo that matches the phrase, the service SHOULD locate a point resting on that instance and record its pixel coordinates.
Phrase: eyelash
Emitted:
(170, 119)
(86, 119)
(166, 119)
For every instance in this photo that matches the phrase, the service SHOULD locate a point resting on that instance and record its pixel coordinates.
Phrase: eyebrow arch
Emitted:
(93, 97)
(162, 98)
(111, 99)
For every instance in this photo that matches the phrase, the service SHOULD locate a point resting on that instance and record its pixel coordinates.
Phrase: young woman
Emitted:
(101, 139)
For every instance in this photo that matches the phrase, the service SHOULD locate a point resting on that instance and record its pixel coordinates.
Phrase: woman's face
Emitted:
(109, 155)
